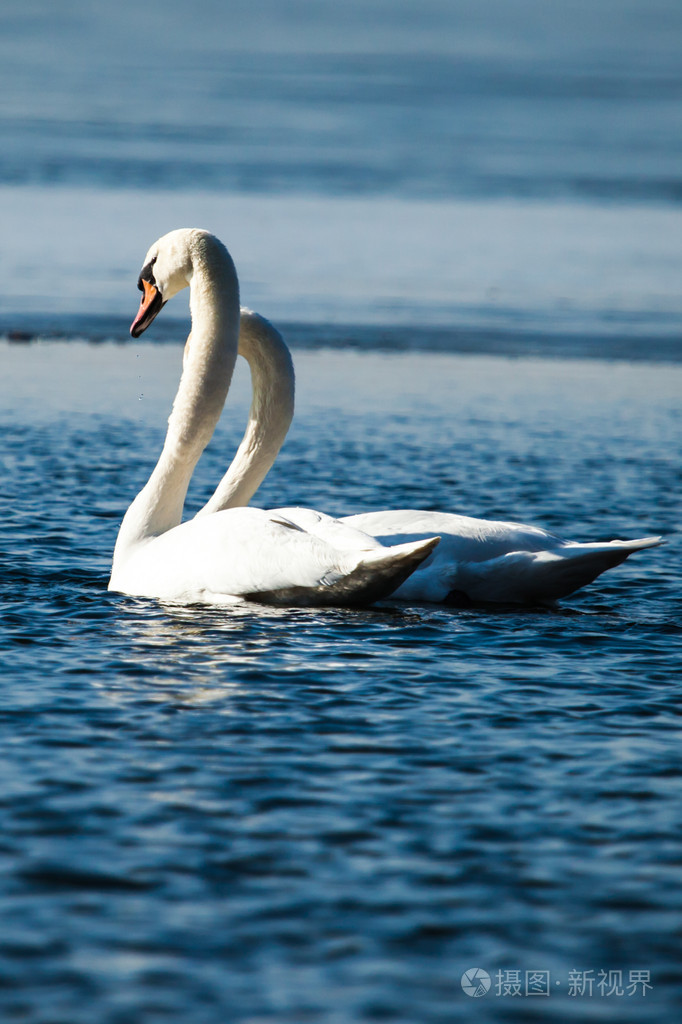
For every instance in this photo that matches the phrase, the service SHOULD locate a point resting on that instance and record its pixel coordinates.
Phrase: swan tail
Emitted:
(377, 574)
(543, 576)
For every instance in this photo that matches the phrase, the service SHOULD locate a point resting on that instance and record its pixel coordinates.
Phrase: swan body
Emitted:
(229, 553)
(476, 560)
(479, 559)
(489, 560)
(250, 554)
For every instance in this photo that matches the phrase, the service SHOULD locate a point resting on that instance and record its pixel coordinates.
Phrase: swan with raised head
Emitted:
(477, 559)
(227, 554)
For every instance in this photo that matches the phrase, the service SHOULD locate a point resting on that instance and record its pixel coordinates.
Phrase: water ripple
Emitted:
(318, 814)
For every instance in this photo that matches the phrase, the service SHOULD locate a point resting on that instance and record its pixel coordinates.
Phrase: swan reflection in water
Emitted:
(201, 654)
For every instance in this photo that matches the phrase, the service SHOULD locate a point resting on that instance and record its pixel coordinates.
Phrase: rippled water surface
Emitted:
(304, 815)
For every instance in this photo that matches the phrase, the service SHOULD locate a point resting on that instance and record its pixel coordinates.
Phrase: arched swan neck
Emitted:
(210, 352)
(270, 415)
(210, 356)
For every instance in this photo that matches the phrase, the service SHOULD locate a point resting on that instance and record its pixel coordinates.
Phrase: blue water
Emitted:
(467, 219)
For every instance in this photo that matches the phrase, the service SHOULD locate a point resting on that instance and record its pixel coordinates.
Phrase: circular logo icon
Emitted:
(475, 982)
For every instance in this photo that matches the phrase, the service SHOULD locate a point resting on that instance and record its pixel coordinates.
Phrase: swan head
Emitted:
(167, 269)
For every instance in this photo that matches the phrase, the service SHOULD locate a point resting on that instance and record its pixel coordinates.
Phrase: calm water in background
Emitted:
(470, 163)
(328, 816)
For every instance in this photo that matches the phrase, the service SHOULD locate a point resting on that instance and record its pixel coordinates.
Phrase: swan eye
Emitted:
(147, 274)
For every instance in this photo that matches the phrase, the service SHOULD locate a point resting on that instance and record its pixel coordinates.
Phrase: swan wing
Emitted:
(337, 532)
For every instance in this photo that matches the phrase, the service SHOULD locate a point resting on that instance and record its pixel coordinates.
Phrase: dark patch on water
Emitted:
(506, 341)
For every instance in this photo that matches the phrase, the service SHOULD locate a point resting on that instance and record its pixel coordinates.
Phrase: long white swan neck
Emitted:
(210, 356)
(270, 415)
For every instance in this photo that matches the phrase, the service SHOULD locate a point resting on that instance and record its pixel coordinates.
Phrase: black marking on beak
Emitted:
(152, 301)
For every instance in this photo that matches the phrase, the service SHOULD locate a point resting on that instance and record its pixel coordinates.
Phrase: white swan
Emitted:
(477, 559)
(228, 554)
